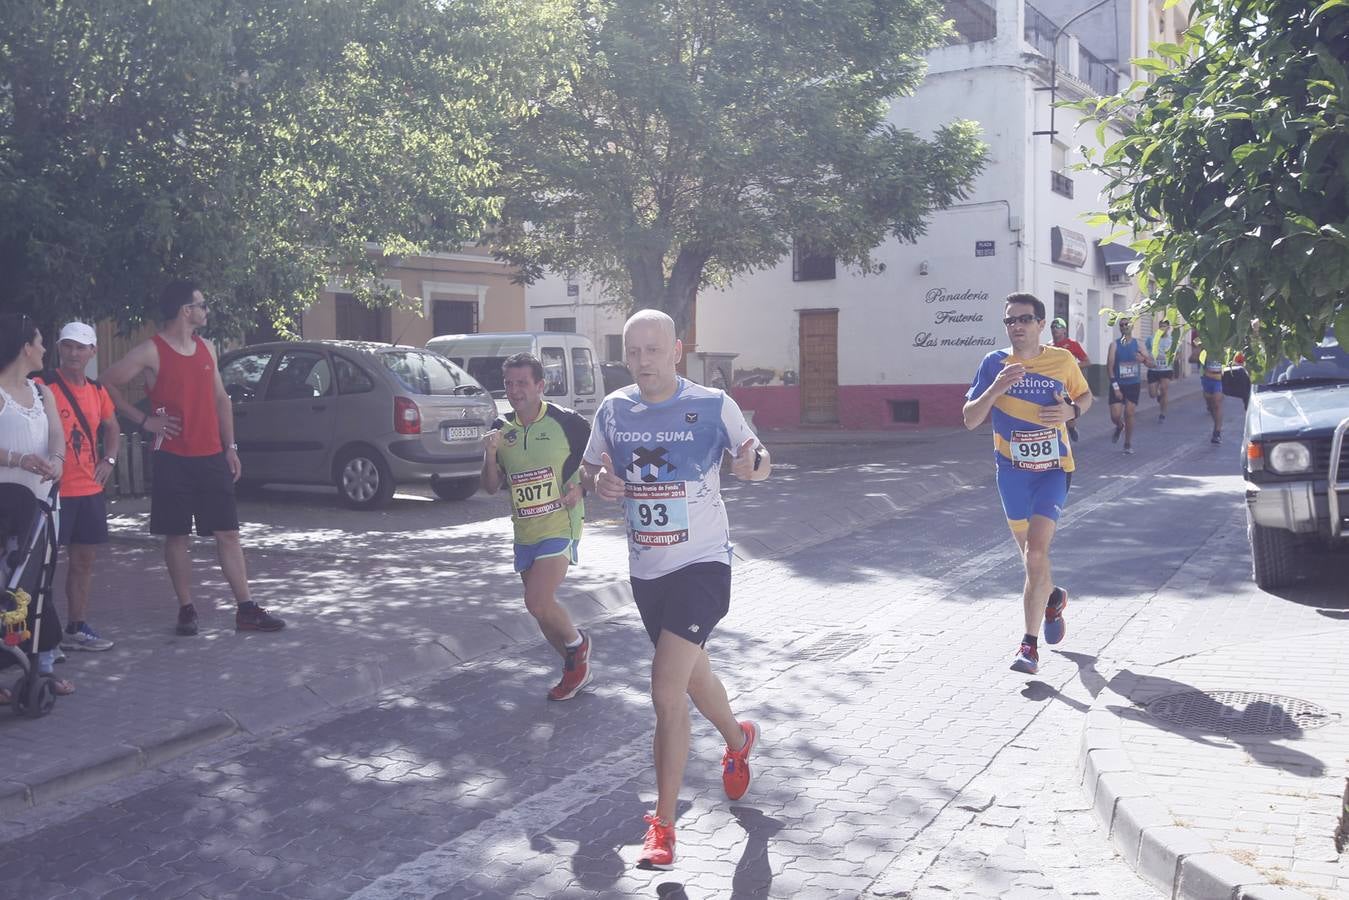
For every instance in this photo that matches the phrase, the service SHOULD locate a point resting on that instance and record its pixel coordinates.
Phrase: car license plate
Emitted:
(450, 433)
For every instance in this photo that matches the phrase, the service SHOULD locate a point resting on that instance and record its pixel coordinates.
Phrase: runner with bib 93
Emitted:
(1032, 392)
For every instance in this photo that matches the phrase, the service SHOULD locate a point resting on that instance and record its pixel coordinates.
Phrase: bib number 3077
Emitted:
(657, 514)
(1035, 451)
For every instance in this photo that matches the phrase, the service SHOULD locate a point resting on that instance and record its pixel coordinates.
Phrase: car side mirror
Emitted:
(1237, 383)
(238, 393)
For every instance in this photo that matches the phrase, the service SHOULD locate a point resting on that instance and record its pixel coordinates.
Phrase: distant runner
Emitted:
(1160, 370)
(1124, 362)
(536, 451)
(1211, 380)
(1058, 329)
(658, 446)
(1032, 392)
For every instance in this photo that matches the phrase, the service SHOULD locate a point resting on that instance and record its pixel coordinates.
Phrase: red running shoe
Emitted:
(576, 671)
(735, 773)
(1055, 626)
(658, 847)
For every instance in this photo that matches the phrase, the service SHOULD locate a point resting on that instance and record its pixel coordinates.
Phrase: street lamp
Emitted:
(1054, 66)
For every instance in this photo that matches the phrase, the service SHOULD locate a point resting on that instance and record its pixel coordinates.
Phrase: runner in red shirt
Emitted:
(196, 461)
(1059, 329)
(86, 412)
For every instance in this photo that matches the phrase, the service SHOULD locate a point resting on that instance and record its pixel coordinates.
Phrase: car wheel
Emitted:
(455, 488)
(363, 479)
(1273, 553)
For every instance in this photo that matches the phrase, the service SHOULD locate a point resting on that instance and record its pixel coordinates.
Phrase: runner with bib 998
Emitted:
(1032, 391)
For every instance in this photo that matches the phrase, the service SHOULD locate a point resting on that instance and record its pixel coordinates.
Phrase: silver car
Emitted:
(362, 416)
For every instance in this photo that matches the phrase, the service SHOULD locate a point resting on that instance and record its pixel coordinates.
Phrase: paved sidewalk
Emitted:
(1218, 765)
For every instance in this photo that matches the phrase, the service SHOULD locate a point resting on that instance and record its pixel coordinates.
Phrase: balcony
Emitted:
(1089, 69)
(974, 20)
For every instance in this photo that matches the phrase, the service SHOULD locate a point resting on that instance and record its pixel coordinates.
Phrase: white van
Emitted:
(570, 369)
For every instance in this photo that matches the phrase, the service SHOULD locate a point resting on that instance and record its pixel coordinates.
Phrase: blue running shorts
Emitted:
(1211, 385)
(1026, 494)
(528, 554)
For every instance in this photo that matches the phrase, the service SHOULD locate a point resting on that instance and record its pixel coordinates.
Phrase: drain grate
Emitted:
(1239, 712)
(836, 645)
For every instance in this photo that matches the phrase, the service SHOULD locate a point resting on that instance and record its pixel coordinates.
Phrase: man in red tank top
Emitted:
(196, 461)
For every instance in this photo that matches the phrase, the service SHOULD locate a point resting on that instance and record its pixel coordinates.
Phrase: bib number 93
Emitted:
(653, 514)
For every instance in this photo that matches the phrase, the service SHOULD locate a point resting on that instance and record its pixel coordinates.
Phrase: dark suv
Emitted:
(1297, 463)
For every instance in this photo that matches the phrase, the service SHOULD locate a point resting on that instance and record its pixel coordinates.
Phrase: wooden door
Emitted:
(819, 366)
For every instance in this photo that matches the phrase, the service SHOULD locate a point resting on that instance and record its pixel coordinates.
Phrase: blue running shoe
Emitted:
(1027, 660)
(1055, 627)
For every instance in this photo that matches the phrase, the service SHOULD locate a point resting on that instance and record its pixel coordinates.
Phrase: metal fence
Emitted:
(134, 472)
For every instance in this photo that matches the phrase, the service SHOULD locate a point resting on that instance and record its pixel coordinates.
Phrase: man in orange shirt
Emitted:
(86, 411)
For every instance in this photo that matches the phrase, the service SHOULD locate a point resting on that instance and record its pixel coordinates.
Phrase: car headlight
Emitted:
(1289, 457)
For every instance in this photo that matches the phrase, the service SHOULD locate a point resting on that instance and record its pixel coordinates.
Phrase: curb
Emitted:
(1171, 857)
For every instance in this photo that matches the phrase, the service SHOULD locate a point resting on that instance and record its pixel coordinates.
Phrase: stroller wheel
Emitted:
(34, 696)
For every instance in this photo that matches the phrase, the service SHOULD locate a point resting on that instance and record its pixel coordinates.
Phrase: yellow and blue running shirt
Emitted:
(540, 460)
(1020, 440)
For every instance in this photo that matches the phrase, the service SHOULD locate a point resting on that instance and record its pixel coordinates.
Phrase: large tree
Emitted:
(1232, 176)
(255, 144)
(692, 140)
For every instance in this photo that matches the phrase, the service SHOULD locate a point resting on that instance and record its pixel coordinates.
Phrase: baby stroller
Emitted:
(27, 570)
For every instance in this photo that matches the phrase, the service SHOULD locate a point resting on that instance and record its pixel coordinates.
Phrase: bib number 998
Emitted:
(1036, 449)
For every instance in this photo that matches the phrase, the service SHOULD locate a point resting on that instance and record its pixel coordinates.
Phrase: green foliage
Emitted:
(691, 139)
(257, 145)
(1233, 174)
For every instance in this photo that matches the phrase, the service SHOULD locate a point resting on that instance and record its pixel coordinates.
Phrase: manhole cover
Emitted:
(1239, 712)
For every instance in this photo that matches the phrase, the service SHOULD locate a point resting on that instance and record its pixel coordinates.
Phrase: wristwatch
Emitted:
(234, 447)
(1077, 410)
(110, 460)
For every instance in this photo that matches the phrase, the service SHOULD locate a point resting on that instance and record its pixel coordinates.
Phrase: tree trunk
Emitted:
(672, 296)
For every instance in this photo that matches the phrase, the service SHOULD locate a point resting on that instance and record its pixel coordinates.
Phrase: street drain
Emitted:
(836, 645)
(1239, 712)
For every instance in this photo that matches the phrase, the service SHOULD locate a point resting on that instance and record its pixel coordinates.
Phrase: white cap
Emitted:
(80, 333)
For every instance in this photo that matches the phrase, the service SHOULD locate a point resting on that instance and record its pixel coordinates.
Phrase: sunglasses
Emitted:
(1025, 319)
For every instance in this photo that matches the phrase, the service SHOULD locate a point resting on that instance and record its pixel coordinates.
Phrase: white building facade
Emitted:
(811, 342)
(816, 343)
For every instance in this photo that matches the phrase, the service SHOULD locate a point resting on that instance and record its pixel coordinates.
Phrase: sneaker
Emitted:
(1114, 438)
(1129, 450)
(1027, 660)
(187, 620)
(735, 773)
(1161, 417)
(58, 655)
(1055, 626)
(658, 847)
(251, 617)
(84, 639)
(1217, 438)
(576, 671)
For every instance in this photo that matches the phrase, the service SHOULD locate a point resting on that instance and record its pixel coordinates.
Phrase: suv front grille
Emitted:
(1321, 457)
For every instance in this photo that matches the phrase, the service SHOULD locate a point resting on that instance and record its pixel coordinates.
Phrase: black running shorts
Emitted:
(192, 487)
(1130, 393)
(688, 602)
(84, 520)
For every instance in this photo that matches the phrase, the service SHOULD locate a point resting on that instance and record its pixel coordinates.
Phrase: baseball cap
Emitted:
(78, 332)
(1058, 323)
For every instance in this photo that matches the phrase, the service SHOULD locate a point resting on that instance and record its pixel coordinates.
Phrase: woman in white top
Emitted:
(32, 444)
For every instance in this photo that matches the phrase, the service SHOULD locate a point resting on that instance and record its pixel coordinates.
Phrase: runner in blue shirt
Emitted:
(1031, 392)
(658, 446)
(1125, 364)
